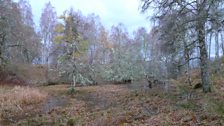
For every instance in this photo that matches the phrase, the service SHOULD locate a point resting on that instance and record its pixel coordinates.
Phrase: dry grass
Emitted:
(118, 105)
(27, 95)
(15, 100)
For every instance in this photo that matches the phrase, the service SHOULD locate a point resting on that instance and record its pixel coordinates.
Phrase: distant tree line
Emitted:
(83, 51)
(19, 42)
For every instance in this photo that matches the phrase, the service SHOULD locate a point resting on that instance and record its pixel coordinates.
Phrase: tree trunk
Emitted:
(204, 58)
(209, 46)
(74, 83)
(74, 74)
(222, 43)
(217, 45)
(187, 57)
(189, 79)
(2, 49)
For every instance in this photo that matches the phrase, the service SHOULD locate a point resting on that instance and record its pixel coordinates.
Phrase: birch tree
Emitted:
(48, 22)
(198, 13)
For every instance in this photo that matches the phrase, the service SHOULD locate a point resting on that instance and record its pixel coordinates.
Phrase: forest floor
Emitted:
(107, 105)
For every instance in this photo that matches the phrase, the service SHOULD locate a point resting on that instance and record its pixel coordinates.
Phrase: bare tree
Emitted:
(48, 22)
(26, 12)
(198, 13)
(18, 37)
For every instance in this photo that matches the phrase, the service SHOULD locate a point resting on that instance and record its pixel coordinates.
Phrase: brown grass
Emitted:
(16, 100)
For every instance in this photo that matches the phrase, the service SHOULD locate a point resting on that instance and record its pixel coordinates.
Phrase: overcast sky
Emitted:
(111, 12)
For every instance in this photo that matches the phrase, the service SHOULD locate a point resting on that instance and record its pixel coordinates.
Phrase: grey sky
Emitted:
(111, 12)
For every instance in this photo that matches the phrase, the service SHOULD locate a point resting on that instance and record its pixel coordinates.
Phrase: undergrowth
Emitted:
(16, 99)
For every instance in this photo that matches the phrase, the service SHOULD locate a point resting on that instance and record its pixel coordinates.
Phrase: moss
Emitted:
(189, 105)
(74, 121)
(71, 90)
(218, 107)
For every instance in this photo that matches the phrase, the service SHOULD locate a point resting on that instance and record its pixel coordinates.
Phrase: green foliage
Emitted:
(74, 121)
(82, 79)
(189, 105)
(72, 63)
(218, 107)
(125, 65)
(59, 30)
(71, 90)
(58, 39)
(83, 47)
